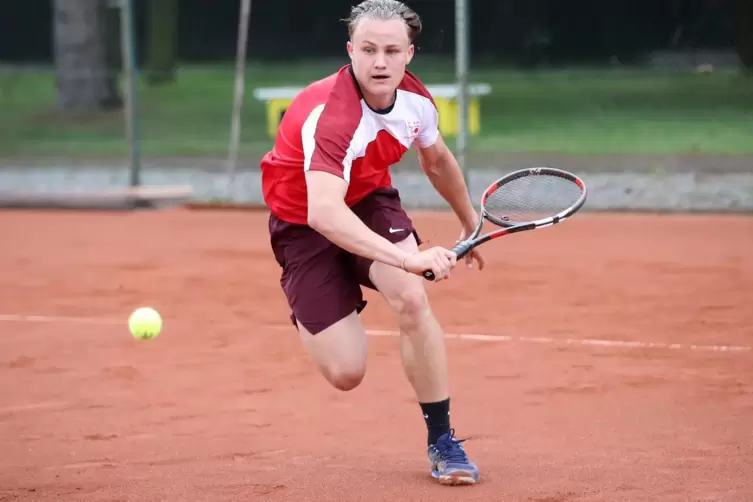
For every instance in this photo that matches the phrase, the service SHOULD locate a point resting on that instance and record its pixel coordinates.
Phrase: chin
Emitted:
(385, 87)
(383, 93)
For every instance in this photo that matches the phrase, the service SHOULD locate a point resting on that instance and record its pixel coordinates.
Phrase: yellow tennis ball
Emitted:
(145, 323)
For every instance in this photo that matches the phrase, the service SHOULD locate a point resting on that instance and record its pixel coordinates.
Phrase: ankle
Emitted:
(437, 419)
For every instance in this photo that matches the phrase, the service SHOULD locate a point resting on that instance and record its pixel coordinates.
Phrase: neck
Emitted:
(375, 102)
(379, 102)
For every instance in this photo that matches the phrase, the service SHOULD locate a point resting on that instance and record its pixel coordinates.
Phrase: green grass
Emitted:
(600, 112)
(568, 111)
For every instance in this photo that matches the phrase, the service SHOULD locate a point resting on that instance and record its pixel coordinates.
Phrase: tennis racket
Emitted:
(527, 199)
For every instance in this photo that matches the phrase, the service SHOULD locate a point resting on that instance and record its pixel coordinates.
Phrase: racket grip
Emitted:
(429, 275)
(460, 251)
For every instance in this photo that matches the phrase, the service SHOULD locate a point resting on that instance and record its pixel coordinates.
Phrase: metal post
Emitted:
(128, 47)
(461, 68)
(240, 72)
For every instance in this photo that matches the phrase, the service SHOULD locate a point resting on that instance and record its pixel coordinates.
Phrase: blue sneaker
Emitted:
(449, 463)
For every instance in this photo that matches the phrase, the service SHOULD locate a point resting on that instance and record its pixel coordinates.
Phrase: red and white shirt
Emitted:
(329, 127)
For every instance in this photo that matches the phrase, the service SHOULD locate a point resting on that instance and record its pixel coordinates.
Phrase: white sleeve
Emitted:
(429, 129)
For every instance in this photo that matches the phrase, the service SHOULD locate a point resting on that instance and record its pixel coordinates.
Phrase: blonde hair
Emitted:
(384, 10)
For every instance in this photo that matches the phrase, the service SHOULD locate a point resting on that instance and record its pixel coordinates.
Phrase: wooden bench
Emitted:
(278, 99)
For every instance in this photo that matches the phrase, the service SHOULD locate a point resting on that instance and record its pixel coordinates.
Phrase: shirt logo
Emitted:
(413, 127)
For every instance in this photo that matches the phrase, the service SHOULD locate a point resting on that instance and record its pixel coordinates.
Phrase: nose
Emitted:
(380, 61)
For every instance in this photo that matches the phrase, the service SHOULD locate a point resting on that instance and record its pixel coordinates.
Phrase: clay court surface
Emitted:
(618, 366)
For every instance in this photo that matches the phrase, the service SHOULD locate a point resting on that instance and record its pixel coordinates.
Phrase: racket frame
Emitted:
(508, 227)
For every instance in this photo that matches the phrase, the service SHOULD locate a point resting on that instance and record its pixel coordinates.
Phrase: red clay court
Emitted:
(617, 366)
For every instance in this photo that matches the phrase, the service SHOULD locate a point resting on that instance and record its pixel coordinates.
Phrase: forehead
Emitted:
(376, 31)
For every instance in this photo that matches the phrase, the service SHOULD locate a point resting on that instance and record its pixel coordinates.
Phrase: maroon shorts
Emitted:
(322, 281)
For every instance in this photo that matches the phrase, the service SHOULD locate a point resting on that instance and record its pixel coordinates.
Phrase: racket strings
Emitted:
(531, 198)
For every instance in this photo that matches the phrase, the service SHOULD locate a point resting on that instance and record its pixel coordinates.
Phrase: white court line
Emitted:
(626, 344)
(55, 319)
(623, 344)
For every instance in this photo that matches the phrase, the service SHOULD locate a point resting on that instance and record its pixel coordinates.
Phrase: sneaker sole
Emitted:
(457, 478)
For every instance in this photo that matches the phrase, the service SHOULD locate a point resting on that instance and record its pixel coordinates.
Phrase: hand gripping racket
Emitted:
(527, 199)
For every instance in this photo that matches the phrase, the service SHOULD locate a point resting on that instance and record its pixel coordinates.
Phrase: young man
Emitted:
(337, 224)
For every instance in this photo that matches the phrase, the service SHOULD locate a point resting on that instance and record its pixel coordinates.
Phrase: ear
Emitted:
(411, 52)
(349, 48)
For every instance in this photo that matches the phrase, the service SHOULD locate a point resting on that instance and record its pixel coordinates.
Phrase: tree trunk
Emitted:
(745, 33)
(163, 33)
(80, 45)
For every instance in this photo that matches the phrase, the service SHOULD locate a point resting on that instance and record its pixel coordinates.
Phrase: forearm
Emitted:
(447, 178)
(341, 226)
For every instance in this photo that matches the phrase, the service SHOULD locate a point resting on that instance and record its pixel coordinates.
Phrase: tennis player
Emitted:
(338, 224)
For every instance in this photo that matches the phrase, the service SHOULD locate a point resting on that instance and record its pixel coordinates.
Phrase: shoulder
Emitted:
(343, 97)
(413, 85)
(330, 131)
(334, 90)
(338, 108)
(325, 107)
(420, 110)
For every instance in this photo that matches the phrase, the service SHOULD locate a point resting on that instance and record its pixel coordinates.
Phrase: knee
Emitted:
(411, 303)
(346, 377)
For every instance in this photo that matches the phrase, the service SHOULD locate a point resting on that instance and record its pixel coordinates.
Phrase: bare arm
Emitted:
(330, 216)
(440, 166)
(327, 162)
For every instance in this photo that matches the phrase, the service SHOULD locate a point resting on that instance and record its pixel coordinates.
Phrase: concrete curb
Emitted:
(608, 191)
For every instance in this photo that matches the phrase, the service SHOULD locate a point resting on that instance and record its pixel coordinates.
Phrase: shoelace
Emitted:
(451, 450)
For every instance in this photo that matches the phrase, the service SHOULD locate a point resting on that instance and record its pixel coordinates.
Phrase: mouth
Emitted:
(381, 78)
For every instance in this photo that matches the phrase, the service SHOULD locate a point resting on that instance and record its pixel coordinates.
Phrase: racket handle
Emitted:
(429, 275)
(460, 251)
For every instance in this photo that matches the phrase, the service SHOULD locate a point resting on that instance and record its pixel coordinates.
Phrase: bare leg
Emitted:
(422, 347)
(339, 351)
(424, 359)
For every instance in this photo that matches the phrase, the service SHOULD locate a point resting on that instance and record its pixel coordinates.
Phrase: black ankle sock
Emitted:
(437, 418)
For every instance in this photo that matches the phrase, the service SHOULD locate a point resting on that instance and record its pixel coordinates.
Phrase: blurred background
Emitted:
(628, 87)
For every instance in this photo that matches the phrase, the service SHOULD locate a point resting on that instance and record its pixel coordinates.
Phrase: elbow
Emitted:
(314, 218)
(433, 170)
(320, 218)
(436, 171)
(435, 166)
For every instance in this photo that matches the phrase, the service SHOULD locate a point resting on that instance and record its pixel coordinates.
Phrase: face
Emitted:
(380, 51)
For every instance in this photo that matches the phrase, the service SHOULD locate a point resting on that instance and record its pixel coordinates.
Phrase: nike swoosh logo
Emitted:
(396, 230)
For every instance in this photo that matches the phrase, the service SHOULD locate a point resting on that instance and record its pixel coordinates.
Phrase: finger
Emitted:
(481, 261)
(438, 271)
(444, 256)
(444, 264)
(452, 258)
(439, 275)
